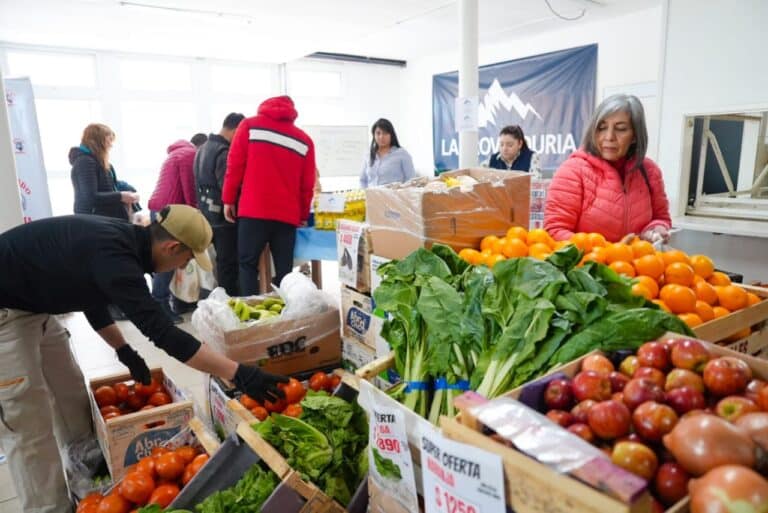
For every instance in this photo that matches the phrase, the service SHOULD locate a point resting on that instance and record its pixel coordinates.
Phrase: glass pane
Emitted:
(252, 80)
(148, 129)
(151, 75)
(53, 69)
(61, 126)
(314, 83)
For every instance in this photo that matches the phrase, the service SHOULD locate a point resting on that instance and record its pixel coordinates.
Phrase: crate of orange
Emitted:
(132, 419)
(686, 285)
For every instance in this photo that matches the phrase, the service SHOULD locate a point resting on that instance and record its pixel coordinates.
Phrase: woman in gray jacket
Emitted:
(388, 162)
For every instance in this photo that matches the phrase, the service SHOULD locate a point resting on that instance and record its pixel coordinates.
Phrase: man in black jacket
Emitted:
(209, 168)
(83, 263)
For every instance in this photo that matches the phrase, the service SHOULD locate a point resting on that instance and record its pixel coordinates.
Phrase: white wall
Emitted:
(713, 61)
(628, 53)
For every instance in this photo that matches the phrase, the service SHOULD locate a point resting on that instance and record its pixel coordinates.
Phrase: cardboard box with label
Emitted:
(356, 317)
(354, 252)
(355, 354)
(404, 217)
(287, 347)
(126, 439)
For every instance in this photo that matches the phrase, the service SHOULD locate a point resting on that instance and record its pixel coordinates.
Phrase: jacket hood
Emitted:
(75, 152)
(181, 143)
(279, 108)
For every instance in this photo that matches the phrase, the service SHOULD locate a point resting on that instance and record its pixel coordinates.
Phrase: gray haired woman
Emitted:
(609, 186)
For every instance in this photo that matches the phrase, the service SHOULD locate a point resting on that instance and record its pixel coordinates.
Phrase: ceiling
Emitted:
(281, 31)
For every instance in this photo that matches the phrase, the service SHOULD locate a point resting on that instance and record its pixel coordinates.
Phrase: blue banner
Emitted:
(551, 96)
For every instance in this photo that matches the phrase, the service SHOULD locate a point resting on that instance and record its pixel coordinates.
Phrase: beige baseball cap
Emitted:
(188, 226)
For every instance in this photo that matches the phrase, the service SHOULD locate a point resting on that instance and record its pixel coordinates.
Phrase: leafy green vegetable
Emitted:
(386, 467)
(247, 495)
(327, 445)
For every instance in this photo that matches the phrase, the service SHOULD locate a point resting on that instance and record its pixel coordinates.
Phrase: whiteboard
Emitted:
(339, 150)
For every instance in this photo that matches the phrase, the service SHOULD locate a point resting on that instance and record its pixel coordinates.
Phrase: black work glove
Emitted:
(259, 384)
(135, 363)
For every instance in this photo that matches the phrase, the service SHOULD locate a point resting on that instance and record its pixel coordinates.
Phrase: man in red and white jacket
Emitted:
(271, 164)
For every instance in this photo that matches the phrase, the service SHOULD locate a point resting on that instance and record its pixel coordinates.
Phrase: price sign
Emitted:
(331, 202)
(459, 478)
(392, 483)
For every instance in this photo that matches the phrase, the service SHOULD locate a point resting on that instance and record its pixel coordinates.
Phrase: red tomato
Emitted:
(159, 399)
(91, 498)
(114, 504)
(92, 507)
(164, 495)
(293, 410)
(146, 465)
(105, 396)
(169, 466)
(137, 487)
(147, 390)
(249, 402)
(187, 476)
(275, 407)
(109, 409)
(157, 451)
(260, 412)
(294, 391)
(198, 462)
(111, 415)
(186, 453)
(122, 390)
(318, 381)
(334, 381)
(135, 402)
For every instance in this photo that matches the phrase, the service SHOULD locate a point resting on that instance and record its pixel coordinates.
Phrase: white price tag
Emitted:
(392, 483)
(331, 202)
(459, 478)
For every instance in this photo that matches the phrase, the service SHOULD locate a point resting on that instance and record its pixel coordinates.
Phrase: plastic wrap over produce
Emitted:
(226, 322)
(457, 208)
(536, 435)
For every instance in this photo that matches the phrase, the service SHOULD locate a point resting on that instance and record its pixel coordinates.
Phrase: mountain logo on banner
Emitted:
(496, 97)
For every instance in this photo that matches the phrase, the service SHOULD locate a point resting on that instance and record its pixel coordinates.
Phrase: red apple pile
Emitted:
(629, 411)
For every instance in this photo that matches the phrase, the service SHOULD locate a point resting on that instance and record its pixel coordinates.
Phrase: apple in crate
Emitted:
(640, 390)
(679, 378)
(653, 420)
(558, 395)
(636, 458)
(685, 399)
(591, 385)
(653, 354)
(689, 354)
(609, 419)
(732, 407)
(651, 373)
(726, 376)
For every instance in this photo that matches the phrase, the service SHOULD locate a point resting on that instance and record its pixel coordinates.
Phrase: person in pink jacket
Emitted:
(175, 186)
(608, 186)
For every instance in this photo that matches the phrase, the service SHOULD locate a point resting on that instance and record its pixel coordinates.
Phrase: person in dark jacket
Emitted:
(94, 179)
(82, 263)
(271, 166)
(210, 166)
(514, 153)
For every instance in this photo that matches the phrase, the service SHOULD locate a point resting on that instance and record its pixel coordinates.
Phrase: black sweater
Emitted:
(95, 188)
(83, 263)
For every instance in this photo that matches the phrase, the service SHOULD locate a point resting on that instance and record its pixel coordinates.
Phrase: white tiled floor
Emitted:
(97, 359)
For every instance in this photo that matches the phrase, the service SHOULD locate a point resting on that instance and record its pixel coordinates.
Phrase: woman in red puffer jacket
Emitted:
(609, 186)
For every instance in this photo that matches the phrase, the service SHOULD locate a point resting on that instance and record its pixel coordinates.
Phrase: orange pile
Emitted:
(687, 286)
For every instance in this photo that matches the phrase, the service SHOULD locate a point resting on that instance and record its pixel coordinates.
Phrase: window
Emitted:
(314, 83)
(726, 157)
(53, 69)
(155, 75)
(251, 80)
(61, 126)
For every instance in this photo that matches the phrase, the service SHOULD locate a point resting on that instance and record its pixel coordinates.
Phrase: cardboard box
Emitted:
(288, 347)
(356, 317)
(404, 217)
(354, 255)
(355, 354)
(126, 439)
(226, 409)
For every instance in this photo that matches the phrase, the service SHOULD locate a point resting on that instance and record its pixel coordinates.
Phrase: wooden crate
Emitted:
(719, 329)
(532, 487)
(126, 439)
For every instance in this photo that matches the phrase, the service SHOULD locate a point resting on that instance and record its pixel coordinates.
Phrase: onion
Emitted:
(703, 442)
(756, 426)
(729, 488)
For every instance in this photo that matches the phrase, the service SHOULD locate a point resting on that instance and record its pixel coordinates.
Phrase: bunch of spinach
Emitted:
(327, 444)
(449, 322)
(247, 495)
(386, 467)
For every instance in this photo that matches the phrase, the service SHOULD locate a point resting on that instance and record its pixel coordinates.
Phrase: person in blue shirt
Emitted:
(388, 162)
(514, 153)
